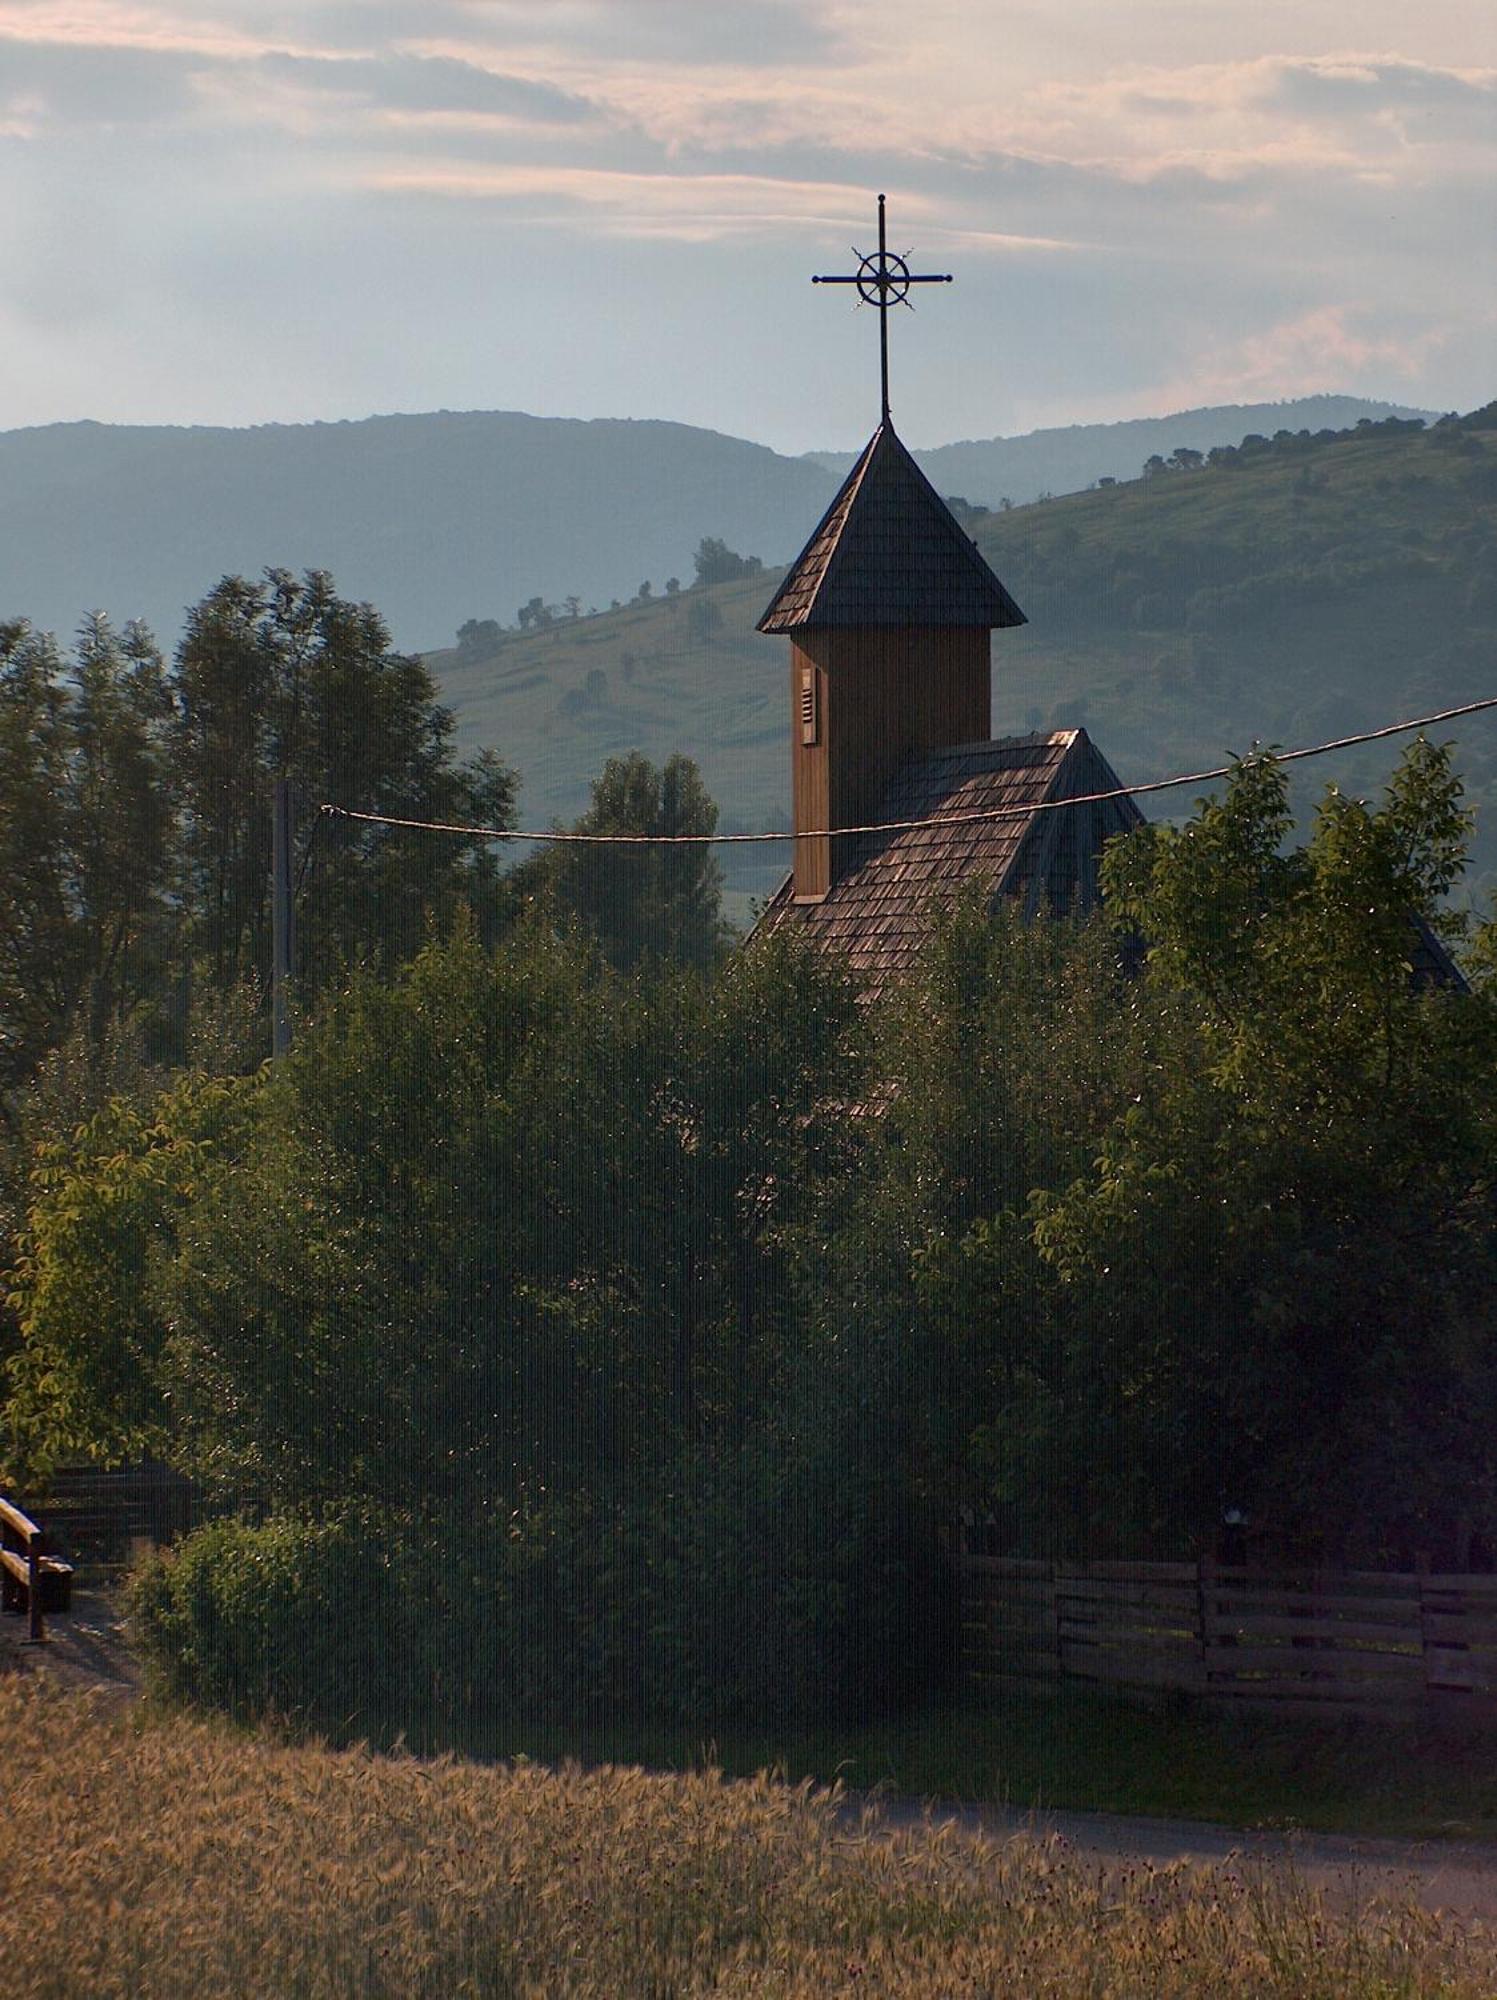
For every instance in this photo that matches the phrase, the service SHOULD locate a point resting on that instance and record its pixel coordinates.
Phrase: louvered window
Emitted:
(808, 715)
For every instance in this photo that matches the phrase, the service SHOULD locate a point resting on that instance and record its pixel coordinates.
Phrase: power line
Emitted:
(560, 838)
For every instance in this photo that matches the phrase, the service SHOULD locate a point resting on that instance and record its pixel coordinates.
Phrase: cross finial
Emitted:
(883, 281)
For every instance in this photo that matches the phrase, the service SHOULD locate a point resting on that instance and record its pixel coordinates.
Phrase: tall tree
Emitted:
(87, 825)
(284, 677)
(1284, 1250)
(643, 901)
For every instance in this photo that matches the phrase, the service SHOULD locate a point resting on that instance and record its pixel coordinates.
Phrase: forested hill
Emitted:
(1065, 460)
(455, 515)
(1289, 592)
(433, 518)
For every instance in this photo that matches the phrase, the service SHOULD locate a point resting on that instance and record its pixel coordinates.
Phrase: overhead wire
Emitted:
(559, 836)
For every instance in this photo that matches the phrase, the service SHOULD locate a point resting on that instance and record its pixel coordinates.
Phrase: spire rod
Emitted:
(884, 280)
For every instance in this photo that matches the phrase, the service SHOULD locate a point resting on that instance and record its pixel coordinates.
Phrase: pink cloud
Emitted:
(1301, 356)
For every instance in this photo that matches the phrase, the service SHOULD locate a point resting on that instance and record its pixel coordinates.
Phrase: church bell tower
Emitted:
(888, 608)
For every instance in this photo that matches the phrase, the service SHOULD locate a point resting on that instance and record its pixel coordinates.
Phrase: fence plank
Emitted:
(1110, 1634)
(1179, 1676)
(1384, 1610)
(1128, 1572)
(1136, 1596)
(1463, 1627)
(1296, 1640)
(1323, 1663)
(1443, 1668)
(1089, 1638)
(1372, 1699)
(1388, 1637)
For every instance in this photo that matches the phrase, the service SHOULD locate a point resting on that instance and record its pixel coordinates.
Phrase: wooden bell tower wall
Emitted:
(862, 700)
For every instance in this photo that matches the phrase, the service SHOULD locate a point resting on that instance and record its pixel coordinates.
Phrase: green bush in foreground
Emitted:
(379, 1623)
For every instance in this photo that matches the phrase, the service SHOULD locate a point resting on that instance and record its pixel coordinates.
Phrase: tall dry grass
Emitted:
(170, 1859)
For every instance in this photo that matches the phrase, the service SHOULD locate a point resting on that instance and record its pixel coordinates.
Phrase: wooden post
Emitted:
(35, 1630)
(283, 919)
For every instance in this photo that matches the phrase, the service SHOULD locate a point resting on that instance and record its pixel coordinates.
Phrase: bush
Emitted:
(691, 1609)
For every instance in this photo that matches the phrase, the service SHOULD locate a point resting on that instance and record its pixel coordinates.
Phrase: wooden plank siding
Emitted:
(882, 696)
(1297, 1641)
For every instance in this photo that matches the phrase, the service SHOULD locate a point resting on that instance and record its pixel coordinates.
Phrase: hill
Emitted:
(989, 470)
(435, 518)
(453, 515)
(1288, 592)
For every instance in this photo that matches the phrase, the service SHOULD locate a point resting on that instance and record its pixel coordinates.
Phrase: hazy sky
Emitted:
(246, 210)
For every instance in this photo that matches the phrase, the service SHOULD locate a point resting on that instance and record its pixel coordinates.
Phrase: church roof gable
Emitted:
(889, 552)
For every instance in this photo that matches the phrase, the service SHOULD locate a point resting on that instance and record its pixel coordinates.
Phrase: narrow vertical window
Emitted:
(808, 715)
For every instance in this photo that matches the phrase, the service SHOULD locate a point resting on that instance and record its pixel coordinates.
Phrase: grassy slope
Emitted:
(1301, 594)
(167, 1860)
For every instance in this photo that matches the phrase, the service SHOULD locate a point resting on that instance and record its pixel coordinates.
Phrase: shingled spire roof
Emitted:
(889, 552)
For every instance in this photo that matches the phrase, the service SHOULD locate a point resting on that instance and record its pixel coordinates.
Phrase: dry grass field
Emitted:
(161, 1858)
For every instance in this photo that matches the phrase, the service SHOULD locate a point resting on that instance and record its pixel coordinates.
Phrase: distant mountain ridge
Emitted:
(433, 518)
(989, 470)
(456, 515)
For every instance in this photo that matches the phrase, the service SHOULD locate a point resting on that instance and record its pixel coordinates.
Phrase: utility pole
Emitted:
(283, 920)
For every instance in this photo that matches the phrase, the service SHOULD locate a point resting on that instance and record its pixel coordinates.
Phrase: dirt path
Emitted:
(84, 1651)
(1458, 1878)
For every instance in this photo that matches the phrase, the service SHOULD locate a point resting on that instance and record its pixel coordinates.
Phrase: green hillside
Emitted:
(1288, 591)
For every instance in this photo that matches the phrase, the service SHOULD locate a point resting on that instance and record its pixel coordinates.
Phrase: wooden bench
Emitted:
(30, 1579)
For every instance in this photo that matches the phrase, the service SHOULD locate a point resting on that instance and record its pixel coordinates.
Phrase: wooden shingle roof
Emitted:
(889, 551)
(889, 886)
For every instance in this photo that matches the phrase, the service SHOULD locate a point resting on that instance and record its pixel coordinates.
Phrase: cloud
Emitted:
(1315, 350)
(120, 24)
(1139, 204)
(70, 85)
(1342, 112)
(775, 34)
(689, 207)
(1334, 86)
(420, 83)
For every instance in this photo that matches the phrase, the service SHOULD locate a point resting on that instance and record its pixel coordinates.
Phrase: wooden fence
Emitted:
(96, 1517)
(1301, 1640)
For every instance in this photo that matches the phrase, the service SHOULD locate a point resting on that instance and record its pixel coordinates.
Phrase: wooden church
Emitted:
(889, 610)
(902, 795)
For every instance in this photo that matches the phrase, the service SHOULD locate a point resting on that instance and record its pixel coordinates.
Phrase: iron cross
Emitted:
(884, 280)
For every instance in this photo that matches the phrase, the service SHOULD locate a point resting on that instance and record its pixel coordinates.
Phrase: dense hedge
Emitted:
(361, 1623)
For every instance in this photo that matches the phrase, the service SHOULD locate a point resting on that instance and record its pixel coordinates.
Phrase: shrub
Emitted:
(703, 1607)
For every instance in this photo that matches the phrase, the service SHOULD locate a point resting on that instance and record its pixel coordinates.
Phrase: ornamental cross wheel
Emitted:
(883, 279)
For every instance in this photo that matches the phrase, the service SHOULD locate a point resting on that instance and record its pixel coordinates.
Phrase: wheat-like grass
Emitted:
(173, 1859)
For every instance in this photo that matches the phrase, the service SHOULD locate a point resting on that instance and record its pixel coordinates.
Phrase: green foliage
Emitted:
(1283, 1249)
(645, 901)
(715, 562)
(88, 1378)
(87, 821)
(284, 677)
(725, 1601)
(660, 1316)
(1179, 616)
(477, 638)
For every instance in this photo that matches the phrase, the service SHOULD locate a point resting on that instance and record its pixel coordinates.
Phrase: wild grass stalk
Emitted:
(163, 1858)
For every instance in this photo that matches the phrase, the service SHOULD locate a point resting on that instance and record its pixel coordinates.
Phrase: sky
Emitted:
(247, 211)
